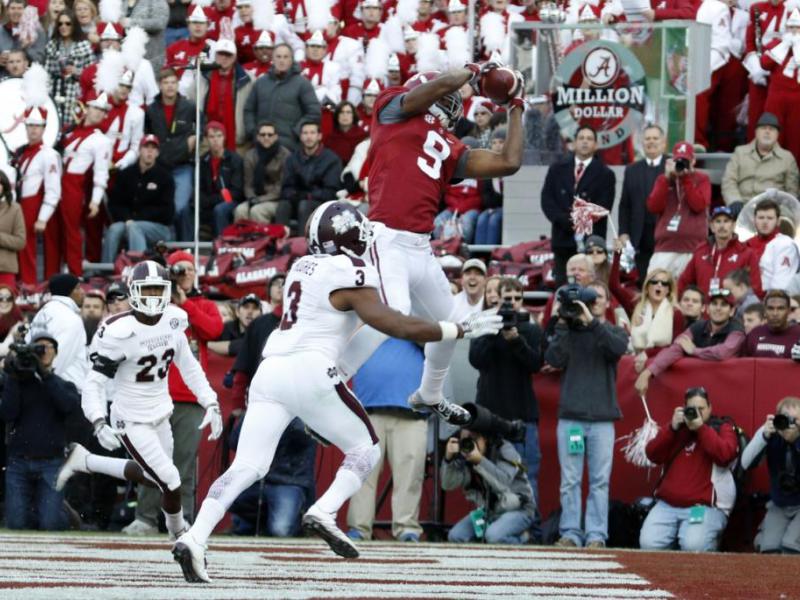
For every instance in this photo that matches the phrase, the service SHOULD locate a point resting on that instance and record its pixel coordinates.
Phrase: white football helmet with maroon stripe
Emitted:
(338, 228)
(149, 274)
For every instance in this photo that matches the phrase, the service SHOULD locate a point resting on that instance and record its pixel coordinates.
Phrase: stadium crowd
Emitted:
(286, 94)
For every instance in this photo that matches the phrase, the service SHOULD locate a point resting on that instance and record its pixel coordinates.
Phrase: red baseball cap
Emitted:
(179, 256)
(215, 125)
(683, 150)
(150, 139)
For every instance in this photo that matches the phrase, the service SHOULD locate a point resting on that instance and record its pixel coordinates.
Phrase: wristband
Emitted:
(449, 330)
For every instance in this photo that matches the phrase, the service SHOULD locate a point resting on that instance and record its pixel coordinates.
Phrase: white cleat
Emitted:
(452, 413)
(75, 463)
(324, 526)
(191, 556)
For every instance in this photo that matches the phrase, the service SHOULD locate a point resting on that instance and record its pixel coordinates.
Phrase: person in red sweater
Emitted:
(680, 198)
(723, 254)
(346, 133)
(205, 324)
(697, 491)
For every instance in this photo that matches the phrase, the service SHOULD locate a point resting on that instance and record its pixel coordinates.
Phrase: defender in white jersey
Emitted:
(326, 297)
(135, 349)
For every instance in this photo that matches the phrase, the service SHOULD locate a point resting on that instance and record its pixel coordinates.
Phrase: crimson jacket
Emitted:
(688, 478)
(687, 196)
(205, 324)
(709, 262)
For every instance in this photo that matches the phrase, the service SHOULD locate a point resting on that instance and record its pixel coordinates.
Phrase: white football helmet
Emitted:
(149, 274)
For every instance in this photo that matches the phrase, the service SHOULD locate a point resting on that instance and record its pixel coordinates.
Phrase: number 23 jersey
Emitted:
(310, 323)
(412, 160)
(138, 358)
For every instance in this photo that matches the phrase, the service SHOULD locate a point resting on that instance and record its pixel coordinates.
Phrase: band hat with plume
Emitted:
(263, 15)
(110, 31)
(377, 59)
(100, 101)
(456, 46)
(109, 72)
(429, 56)
(392, 34)
(198, 15)
(264, 40)
(407, 10)
(34, 94)
(318, 14)
(317, 39)
(372, 87)
(110, 11)
(134, 48)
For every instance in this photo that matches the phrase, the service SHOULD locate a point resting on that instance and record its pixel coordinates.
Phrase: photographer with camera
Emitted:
(35, 405)
(779, 440)
(696, 491)
(506, 361)
(680, 199)
(588, 349)
(490, 470)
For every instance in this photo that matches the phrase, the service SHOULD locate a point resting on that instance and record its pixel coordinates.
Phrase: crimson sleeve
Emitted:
(657, 200)
(239, 390)
(204, 318)
(727, 349)
(662, 447)
(677, 9)
(697, 192)
(722, 447)
(624, 296)
(755, 273)
(688, 277)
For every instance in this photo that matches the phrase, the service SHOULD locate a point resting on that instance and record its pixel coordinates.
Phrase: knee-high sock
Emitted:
(113, 467)
(437, 363)
(174, 522)
(220, 496)
(341, 490)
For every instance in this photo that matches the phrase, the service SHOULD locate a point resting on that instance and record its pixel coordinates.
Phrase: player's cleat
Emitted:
(174, 536)
(191, 556)
(452, 413)
(75, 463)
(137, 527)
(323, 525)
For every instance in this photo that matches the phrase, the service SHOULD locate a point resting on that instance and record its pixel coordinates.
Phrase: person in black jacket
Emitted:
(141, 204)
(637, 225)
(583, 175)
(171, 118)
(311, 176)
(35, 405)
(221, 180)
(506, 362)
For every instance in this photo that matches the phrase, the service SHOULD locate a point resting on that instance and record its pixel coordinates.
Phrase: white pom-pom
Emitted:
(457, 46)
(263, 14)
(109, 71)
(110, 10)
(635, 447)
(134, 47)
(319, 14)
(392, 34)
(493, 32)
(428, 53)
(376, 63)
(35, 85)
(407, 10)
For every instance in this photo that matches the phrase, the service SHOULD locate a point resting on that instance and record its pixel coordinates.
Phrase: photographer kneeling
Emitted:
(490, 470)
(35, 405)
(696, 491)
(779, 439)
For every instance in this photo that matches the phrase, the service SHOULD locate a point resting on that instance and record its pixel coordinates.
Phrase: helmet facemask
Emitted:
(150, 305)
(448, 110)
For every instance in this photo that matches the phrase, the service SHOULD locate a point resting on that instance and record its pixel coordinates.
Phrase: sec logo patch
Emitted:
(174, 323)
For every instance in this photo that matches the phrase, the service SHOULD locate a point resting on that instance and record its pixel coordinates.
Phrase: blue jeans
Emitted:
(489, 229)
(666, 526)
(599, 454)
(508, 528)
(223, 216)
(467, 220)
(173, 34)
(31, 499)
(283, 505)
(532, 455)
(184, 215)
(141, 235)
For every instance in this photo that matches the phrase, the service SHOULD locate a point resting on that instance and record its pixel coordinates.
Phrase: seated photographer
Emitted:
(696, 491)
(778, 438)
(588, 349)
(491, 472)
(777, 338)
(718, 338)
(248, 308)
(35, 406)
(506, 361)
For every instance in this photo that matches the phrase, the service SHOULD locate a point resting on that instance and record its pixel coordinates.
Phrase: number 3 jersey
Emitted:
(412, 160)
(310, 323)
(138, 357)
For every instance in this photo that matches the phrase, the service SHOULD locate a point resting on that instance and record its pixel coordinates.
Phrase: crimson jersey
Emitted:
(412, 160)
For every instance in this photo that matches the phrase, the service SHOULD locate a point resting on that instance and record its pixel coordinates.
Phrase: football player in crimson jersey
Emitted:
(326, 297)
(413, 156)
(135, 349)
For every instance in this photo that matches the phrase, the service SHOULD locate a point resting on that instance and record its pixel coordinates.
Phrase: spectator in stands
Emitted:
(153, 17)
(141, 203)
(185, 50)
(696, 491)
(491, 295)
(680, 199)
(738, 283)
(171, 118)
(794, 307)
(481, 110)
(489, 226)
(221, 180)
(93, 310)
(777, 338)
(656, 319)
(780, 529)
(463, 204)
(12, 232)
(692, 304)
(760, 165)
(473, 286)
(753, 316)
(86, 13)
(489, 470)
(66, 55)
(588, 349)
(274, 303)
(777, 254)
(9, 35)
(637, 224)
(506, 362)
(248, 308)
(176, 24)
(580, 175)
(580, 270)
(12, 321)
(714, 259)
(117, 297)
(61, 317)
(595, 248)
(35, 406)
(718, 338)
(48, 20)
(263, 176)
(346, 134)
(311, 176)
(205, 324)
(383, 385)
(16, 64)
(543, 134)
(283, 97)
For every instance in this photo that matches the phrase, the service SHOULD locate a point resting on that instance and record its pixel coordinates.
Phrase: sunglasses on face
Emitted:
(513, 298)
(65, 24)
(596, 251)
(660, 282)
(269, 135)
(6, 298)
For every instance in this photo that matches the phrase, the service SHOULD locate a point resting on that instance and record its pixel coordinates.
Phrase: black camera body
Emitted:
(782, 422)
(690, 413)
(485, 422)
(177, 270)
(568, 297)
(508, 313)
(466, 445)
(25, 360)
(682, 164)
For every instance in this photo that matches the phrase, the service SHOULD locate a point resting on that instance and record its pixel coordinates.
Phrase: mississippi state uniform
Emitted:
(137, 357)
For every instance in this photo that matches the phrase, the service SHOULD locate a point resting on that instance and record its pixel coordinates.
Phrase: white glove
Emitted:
(106, 436)
(796, 352)
(214, 418)
(487, 322)
(756, 72)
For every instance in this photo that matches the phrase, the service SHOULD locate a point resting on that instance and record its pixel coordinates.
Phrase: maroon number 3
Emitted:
(290, 316)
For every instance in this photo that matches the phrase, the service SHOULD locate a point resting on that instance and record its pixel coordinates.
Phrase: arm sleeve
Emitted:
(236, 184)
(624, 296)
(557, 353)
(120, 199)
(64, 394)
(392, 111)
(11, 401)
(192, 374)
(136, 134)
(666, 358)
(681, 9)
(697, 192)
(497, 476)
(727, 349)
(612, 341)
(105, 358)
(660, 448)
(792, 181)
(754, 451)
(52, 186)
(102, 160)
(454, 474)
(722, 447)
(250, 106)
(657, 200)
(248, 174)
(688, 277)
(786, 265)
(331, 181)
(624, 214)
(755, 274)
(15, 239)
(204, 318)
(556, 214)
(482, 351)
(526, 350)
(312, 111)
(730, 183)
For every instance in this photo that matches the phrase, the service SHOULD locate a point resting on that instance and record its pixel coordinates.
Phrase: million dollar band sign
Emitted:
(600, 84)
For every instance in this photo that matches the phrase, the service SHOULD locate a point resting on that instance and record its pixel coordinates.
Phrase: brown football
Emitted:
(499, 85)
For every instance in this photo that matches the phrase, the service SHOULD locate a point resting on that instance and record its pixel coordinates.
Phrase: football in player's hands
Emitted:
(500, 85)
